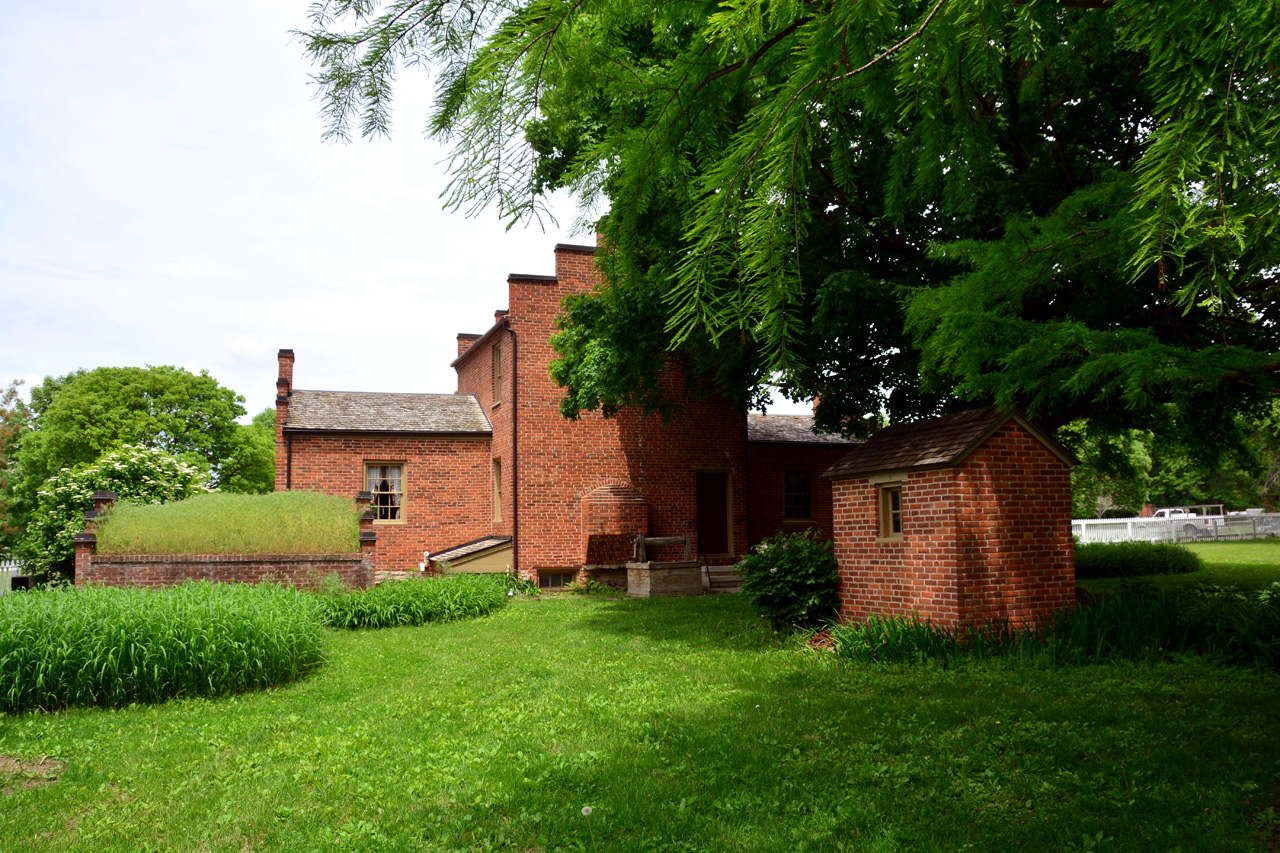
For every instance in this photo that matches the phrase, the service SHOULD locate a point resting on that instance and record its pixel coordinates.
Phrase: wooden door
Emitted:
(713, 512)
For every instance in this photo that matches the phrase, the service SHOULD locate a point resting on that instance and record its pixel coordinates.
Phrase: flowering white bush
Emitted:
(136, 474)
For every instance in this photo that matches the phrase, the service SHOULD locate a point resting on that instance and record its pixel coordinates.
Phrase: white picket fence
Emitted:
(8, 568)
(1254, 526)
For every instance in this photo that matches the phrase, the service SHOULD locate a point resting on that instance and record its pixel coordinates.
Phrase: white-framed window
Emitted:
(386, 481)
(890, 500)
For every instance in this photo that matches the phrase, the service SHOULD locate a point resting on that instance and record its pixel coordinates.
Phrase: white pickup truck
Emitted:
(1210, 521)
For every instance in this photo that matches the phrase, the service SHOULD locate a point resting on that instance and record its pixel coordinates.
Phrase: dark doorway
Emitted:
(713, 512)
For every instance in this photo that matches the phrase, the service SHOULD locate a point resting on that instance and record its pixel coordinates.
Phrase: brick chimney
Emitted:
(284, 388)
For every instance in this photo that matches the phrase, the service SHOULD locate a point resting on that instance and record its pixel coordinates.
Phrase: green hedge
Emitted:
(111, 646)
(277, 523)
(416, 601)
(1134, 559)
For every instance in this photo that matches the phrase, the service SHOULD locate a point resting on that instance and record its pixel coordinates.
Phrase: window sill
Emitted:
(889, 540)
(799, 521)
(497, 405)
(388, 522)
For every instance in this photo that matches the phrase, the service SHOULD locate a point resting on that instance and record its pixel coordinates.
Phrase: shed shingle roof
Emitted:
(355, 411)
(788, 428)
(935, 443)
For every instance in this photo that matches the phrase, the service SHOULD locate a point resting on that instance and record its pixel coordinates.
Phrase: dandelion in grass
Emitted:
(586, 812)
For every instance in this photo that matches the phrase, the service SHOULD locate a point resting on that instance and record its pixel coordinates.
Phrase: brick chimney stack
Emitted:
(284, 389)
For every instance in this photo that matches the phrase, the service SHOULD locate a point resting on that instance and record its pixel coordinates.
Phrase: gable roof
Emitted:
(356, 411)
(791, 429)
(935, 443)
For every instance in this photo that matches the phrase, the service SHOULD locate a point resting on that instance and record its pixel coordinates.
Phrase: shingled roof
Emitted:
(935, 443)
(791, 429)
(355, 411)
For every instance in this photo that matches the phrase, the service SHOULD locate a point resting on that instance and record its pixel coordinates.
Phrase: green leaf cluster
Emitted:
(1065, 207)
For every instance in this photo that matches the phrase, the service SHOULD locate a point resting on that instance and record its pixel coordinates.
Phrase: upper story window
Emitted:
(797, 494)
(386, 482)
(497, 372)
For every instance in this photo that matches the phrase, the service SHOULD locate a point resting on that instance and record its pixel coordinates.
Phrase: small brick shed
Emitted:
(960, 519)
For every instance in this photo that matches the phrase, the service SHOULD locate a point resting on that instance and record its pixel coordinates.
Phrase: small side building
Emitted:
(960, 519)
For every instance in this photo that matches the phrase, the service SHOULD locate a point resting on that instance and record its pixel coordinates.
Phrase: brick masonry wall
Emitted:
(304, 571)
(561, 462)
(446, 487)
(1014, 524)
(769, 462)
(990, 538)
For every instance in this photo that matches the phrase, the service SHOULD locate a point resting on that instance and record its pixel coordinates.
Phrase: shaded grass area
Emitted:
(416, 602)
(295, 522)
(684, 725)
(110, 646)
(1250, 563)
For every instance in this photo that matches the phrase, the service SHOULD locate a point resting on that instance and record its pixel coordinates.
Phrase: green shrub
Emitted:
(1224, 623)
(1134, 559)
(417, 601)
(110, 646)
(791, 579)
(139, 474)
(276, 523)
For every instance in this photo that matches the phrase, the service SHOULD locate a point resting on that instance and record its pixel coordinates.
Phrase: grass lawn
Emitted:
(684, 725)
(1250, 563)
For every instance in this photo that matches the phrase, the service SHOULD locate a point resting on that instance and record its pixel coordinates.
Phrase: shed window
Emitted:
(387, 485)
(797, 495)
(891, 511)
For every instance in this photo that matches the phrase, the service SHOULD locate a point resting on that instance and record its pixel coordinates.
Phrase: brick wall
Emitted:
(770, 461)
(989, 539)
(304, 571)
(446, 487)
(562, 462)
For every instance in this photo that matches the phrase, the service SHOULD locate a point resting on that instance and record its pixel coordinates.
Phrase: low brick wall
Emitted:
(304, 571)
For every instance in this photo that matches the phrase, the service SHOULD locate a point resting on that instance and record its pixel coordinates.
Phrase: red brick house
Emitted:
(959, 519)
(494, 476)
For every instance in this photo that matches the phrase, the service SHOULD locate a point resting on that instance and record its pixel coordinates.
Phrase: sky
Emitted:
(166, 198)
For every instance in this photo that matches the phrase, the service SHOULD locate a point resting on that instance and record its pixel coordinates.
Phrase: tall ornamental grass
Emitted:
(110, 646)
(1134, 559)
(1228, 625)
(416, 602)
(276, 523)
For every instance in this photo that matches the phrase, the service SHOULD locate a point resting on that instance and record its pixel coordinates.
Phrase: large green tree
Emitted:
(1069, 207)
(74, 419)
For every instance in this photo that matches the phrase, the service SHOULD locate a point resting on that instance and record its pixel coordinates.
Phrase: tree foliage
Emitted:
(1069, 207)
(76, 418)
(251, 467)
(13, 417)
(137, 474)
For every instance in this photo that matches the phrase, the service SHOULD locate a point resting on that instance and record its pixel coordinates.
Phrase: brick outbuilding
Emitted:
(497, 467)
(959, 519)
